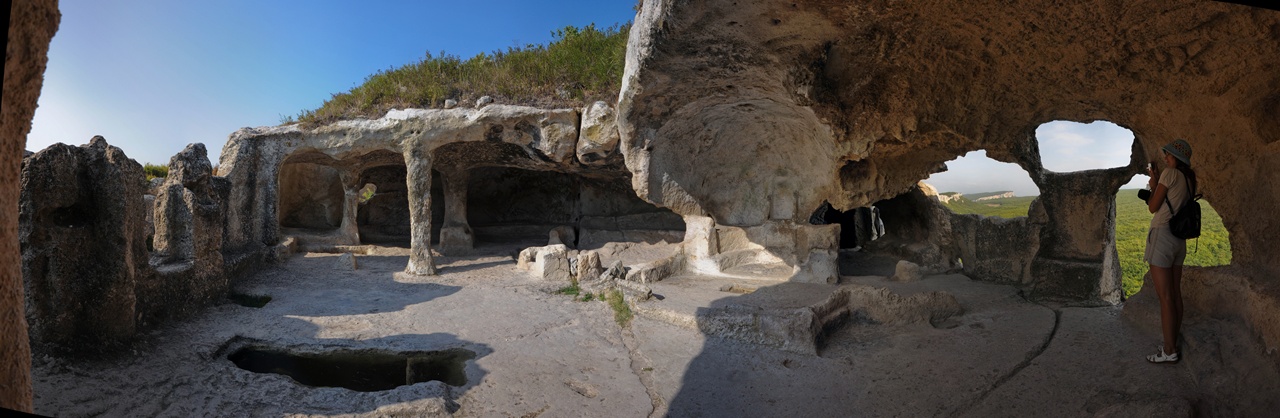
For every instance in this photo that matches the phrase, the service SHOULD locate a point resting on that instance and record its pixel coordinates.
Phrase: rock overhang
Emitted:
(904, 88)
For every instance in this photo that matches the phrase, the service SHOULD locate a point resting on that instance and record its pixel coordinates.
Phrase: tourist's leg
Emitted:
(1162, 277)
(1175, 291)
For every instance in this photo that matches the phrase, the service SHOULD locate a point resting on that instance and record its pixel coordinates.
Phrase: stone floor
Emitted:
(539, 353)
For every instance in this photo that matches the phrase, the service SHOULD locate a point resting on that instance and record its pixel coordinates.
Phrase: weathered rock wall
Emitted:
(31, 27)
(83, 244)
(997, 249)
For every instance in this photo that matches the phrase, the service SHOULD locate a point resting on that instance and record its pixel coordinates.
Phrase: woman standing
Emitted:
(1165, 253)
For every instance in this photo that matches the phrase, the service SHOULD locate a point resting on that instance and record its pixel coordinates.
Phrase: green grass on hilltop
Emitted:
(1132, 222)
(579, 66)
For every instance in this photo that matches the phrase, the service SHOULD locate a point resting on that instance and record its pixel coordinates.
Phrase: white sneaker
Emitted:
(1161, 357)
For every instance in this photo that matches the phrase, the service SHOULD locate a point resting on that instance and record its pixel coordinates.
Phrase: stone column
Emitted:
(1076, 260)
(701, 243)
(456, 235)
(348, 230)
(417, 161)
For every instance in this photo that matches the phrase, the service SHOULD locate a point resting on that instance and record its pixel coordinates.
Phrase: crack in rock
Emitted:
(1031, 357)
(638, 363)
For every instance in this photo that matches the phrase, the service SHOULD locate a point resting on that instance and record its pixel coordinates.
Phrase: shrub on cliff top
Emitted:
(577, 67)
(155, 170)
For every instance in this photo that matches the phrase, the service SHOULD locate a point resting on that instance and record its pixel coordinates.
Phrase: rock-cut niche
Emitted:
(311, 196)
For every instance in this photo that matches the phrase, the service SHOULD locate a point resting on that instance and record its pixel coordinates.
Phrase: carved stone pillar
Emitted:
(456, 235)
(417, 161)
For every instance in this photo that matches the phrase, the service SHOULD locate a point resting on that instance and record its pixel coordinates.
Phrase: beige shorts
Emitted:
(1164, 249)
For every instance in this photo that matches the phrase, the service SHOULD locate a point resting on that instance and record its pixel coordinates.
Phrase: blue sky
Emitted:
(152, 76)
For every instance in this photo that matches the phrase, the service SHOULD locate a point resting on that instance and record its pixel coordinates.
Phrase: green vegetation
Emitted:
(571, 290)
(155, 170)
(621, 311)
(580, 65)
(1132, 220)
(1005, 208)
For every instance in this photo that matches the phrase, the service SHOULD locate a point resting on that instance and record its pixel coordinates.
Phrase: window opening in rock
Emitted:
(364, 371)
(1067, 146)
(977, 184)
(1133, 220)
(382, 216)
(311, 196)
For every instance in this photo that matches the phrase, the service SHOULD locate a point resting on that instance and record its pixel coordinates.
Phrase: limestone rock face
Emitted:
(31, 27)
(82, 241)
(598, 136)
(561, 235)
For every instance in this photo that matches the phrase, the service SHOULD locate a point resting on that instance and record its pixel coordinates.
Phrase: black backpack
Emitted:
(1185, 223)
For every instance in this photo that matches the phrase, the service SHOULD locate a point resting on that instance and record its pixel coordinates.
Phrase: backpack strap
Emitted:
(1191, 194)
